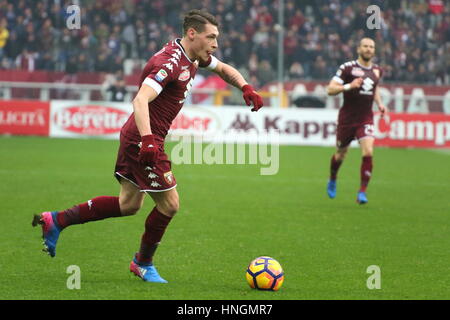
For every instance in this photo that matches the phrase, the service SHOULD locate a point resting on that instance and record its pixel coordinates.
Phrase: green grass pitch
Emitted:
(229, 215)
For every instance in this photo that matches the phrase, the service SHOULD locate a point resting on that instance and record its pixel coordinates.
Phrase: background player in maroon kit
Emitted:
(358, 80)
(142, 166)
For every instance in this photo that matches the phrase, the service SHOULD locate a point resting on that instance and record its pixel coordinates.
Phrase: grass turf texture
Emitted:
(230, 215)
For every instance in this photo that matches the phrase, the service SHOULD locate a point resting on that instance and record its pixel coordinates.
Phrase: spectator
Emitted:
(26, 61)
(4, 35)
(45, 62)
(117, 91)
(13, 47)
(84, 64)
(422, 75)
(265, 72)
(102, 63)
(296, 71)
(412, 32)
(320, 69)
(241, 48)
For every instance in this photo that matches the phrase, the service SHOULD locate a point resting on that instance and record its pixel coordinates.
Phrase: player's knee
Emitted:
(173, 207)
(170, 206)
(340, 155)
(132, 210)
(129, 208)
(367, 152)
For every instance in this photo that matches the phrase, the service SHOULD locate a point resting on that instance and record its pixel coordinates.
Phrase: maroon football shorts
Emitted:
(345, 134)
(148, 179)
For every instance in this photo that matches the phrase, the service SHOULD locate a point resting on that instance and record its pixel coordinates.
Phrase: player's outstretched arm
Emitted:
(335, 87)
(230, 75)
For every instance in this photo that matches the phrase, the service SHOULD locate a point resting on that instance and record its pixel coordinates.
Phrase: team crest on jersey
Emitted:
(357, 72)
(185, 75)
(161, 75)
(168, 176)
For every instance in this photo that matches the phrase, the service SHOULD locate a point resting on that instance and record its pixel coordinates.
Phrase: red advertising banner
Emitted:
(413, 130)
(88, 119)
(24, 117)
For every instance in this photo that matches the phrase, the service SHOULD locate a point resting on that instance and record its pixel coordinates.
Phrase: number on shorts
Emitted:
(368, 129)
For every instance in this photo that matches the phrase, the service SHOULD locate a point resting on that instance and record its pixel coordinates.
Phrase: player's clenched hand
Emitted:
(149, 150)
(383, 110)
(356, 83)
(250, 96)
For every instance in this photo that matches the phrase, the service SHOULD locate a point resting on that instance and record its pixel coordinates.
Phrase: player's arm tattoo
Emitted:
(232, 76)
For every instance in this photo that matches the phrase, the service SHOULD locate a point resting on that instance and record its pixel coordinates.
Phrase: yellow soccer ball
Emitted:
(265, 273)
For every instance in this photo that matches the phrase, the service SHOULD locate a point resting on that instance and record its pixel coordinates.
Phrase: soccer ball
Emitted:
(265, 273)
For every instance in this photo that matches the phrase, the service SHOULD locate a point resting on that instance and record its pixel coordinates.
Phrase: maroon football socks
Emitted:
(334, 167)
(98, 208)
(155, 226)
(366, 172)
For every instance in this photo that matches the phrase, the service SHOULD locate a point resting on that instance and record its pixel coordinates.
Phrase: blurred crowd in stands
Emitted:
(413, 42)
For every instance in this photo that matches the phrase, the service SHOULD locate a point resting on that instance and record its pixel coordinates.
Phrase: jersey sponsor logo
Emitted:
(185, 75)
(357, 72)
(367, 86)
(161, 75)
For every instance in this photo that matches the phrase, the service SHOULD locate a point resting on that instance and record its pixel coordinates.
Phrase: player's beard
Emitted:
(367, 57)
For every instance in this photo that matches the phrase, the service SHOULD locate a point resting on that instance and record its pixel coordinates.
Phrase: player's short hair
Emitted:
(365, 38)
(197, 19)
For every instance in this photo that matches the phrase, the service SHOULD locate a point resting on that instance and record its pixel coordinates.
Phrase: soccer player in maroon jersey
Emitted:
(142, 166)
(358, 80)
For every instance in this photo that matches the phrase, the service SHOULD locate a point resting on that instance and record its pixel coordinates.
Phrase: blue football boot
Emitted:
(146, 272)
(362, 198)
(50, 230)
(331, 189)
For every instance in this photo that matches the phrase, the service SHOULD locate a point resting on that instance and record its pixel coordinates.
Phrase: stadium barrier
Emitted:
(408, 98)
(294, 126)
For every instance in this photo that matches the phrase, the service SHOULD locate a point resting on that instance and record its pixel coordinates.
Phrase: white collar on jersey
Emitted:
(367, 68)
(182, 49)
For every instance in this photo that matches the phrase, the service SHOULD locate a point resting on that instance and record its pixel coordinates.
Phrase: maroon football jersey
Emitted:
(357, 107)
(170, 73)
